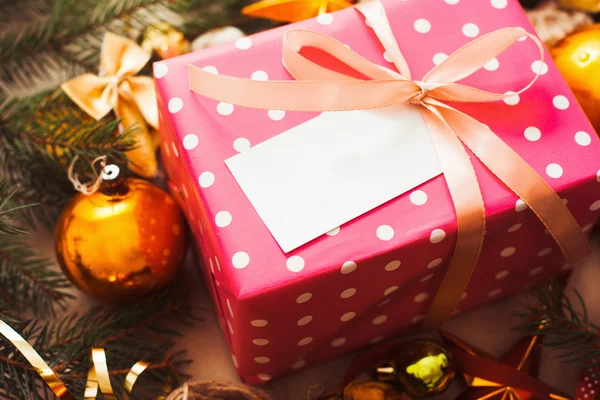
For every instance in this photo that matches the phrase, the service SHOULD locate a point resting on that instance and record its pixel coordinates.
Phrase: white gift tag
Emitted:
(335, 167)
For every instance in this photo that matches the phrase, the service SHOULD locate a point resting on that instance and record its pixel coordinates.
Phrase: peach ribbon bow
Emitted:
(319, 89)
(133, 98)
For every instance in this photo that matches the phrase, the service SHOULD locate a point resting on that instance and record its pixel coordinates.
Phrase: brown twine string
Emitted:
(215, 390)
(89, 187)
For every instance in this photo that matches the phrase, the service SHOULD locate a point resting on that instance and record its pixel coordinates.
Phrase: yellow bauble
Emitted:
(121, 242)
(578, 59)
(424, 368)
(165, 40)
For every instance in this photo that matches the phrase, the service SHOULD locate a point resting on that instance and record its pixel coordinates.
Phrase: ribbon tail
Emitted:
(142, 158)
(120, 56)
(470, 215)
(523, 180)
(143, 93)
(88, 92)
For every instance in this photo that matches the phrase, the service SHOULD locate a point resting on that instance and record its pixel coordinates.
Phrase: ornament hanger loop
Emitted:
(109, 172)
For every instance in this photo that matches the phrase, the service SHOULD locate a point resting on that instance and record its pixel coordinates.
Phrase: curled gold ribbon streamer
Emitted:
(98, 376)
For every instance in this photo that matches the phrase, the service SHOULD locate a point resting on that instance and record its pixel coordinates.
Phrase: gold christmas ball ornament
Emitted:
(366, 389)
(578, 59)
(164, 40)
(585, 5)
(421, 368)
(123, 241)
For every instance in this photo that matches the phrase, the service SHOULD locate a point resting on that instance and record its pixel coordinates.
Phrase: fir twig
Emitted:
(564, 326)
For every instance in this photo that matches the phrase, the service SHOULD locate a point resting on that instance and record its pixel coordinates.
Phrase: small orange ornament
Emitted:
(123, 241)
(578, 59)
(293, 10)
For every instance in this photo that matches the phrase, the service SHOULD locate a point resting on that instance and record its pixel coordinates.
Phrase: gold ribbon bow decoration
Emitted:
(132, 98)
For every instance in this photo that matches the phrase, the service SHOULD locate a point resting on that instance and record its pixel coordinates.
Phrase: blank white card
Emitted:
(335, 167)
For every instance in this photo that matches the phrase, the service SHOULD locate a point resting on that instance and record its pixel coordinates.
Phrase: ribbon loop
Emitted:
(319, 89)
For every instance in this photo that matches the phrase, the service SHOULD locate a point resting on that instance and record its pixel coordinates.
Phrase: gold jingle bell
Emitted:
(165, 40)
(123, 241)
(421, 368)
(578, 60)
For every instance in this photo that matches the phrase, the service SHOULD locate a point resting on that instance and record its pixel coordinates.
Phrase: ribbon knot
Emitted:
(318, 88)
(117, 88)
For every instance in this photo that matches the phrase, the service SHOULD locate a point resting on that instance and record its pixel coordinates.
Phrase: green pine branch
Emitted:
(565, 326)
(144, 331)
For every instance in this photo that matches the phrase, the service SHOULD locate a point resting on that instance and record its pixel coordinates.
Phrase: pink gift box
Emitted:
(375, 276)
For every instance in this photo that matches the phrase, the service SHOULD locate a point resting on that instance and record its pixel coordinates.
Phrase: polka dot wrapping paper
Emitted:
(375, 276)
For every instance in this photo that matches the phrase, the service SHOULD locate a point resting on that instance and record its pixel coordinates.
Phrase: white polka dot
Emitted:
(259, 323)
(259, 76)
(522, 38)
(532, 134)
(520, 205)
(437, 235)
(470, 30)
(554, 170)
(417, 319)
(240, 260)
(325, 19)
(304, 320)
(211, 69)
(222, 219)
(386, 57)
(426, 277)
(339, 342)
(348, 267)
(513, 100)
(264, 377)
(536, 271)
(299, 364)
(379, 319)
(348, 293)
(305, 341)
(295, 263)
(303, 298)
(377, 339)
(492, 65)
(421, 297)
(261, 342)
(418, 197)
(452, 2)
(390, 290)
(385, 232)
(190, 141)
(540, 67)
(515, 227)
(438, 58)
(175, 105)
(560, 102)
(598, 176)
(507, 252)
(206, 179)
(276, 115)
(243, 43)
(583, 138)
(434, 263)
(160, 70)
(495, 292)
(262, 360)
(422, 25)
(544, 252)
(348, 316)
(587, 228)
(334, 231)
(241, 144)
(224, 108)
(499, 4)
(595, 206)
(174, 147)
(502, 274)
(392, 265)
